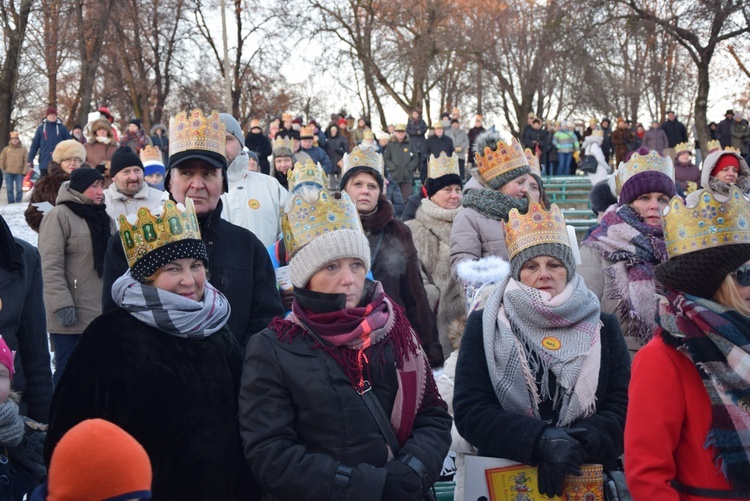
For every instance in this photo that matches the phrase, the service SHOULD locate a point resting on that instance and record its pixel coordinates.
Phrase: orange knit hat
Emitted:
(98, 461)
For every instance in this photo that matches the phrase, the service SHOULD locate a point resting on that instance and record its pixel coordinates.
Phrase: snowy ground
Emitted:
(13, 215)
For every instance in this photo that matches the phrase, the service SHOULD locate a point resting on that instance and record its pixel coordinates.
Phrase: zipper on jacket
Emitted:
(75, 288)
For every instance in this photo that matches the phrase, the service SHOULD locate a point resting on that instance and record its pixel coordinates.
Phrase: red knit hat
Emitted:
(98, 461)
(726, 160)
(6, 356)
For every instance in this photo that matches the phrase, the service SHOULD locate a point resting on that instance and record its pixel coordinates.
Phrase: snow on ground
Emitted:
(13, 215)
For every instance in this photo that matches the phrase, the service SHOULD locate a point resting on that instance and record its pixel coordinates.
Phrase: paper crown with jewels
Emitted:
(682, 148)
(442, 166)
(197, 132)
(283, 142)
(538, 226)
(708, 224)
(309, 172)
(638, 163)
(506, 158)
(306, 132)
(597, 132)
(151, 154)
(533, 162)
(713, 145)
(732, 149)
(363, 157)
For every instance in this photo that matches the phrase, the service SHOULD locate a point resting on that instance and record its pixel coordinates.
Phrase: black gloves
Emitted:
(401, 482)
(559, 451)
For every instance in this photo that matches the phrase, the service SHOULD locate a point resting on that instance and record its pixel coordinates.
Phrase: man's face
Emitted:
(233, 148)
(296, 143)
(455, 125)
(129, 180)
(132, 128)
(400, 135)
(537, 125)
(306, 143)
(282, 164)
(670, 117)
(257, 130)
(51, 117)
(200, 181)
(439, 132)
(287, 124)
(15, 140)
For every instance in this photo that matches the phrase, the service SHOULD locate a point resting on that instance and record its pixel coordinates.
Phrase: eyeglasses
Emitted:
(73, 160)
(742, 274)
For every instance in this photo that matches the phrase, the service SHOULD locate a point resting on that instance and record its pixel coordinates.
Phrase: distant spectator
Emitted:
(47, 136)
(473, 133)
(260, 144)
(160, 140)
(460, 143)
(13, 165)
(685, 171)
(676, 133)
(566, 143)
(434, 145)
(655, 138)
(359, 132)
(101, 145)
(606, 143)
(134, 136)
(416, 128)
(78, 134)
(713, 130)
(336, 146)
(724, 129)
(534, 137)
(740, 134)
(401, 160)
(622, 138)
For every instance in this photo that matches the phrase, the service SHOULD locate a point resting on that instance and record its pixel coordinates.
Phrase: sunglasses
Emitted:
(742, 274)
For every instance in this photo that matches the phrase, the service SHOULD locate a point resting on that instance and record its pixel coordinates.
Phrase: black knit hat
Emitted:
(181, 249)
(556, 250)
(83, 177)
(434, 185)
(701, 272)
(123, 158)
(601, 197)
(356, 170)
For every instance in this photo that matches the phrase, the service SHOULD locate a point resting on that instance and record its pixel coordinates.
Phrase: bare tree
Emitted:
(14, 18)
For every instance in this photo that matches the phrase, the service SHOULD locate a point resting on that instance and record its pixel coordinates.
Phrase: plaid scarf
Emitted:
(634, 248)
(172, 313)
(527, 335)
(717, 340)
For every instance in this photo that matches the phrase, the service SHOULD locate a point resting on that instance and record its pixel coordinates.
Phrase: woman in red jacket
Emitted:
(687, 435)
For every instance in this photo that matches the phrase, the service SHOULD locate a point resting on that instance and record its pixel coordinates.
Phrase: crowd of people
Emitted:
(307, 313)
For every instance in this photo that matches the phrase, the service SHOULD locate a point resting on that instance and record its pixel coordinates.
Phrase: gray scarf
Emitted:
(528, 334)
(172, 313)
(493, 204)
(11, 424)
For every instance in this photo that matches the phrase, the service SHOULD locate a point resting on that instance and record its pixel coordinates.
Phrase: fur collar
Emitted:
(376, 221)
(436, 220)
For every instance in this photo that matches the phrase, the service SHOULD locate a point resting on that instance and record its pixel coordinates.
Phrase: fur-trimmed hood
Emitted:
(158, 127)
(99, 124)
(709, 183)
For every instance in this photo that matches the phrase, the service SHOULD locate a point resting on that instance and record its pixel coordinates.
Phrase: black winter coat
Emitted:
(473, 134)
(260, 144)
(434, 146)
(238, 265)
(416, 131)
(676, 132)
(177, 397)
(336, 146)
(496, 433)
(24, 328)
(724, 132)
(300, 419)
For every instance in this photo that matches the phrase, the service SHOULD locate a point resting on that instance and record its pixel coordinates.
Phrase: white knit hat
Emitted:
(328, 247)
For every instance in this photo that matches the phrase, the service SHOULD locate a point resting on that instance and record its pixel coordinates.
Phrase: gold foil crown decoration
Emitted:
(732, 149)
(533, 162)
(442, 166)
(197, 132)
(283, 142)
(151, 154)
(537, 226)
(708, 224)
(306, 132)
(363, 157)
(399, 126)
(713, 145)
(307, 221)
(309, 172)
(597, 132)
(682, 147)
(144, 232)
(506, 158)
(651, 161)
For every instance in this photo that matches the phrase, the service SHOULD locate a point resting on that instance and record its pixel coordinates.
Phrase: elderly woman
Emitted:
(431, 232)
(337, 400)
(686, 433)
(163, 366)
(619, 257)
(542, 374)
(721, 170)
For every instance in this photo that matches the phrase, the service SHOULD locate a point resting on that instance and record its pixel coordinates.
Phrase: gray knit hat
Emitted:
(558, 251)
(233, 127)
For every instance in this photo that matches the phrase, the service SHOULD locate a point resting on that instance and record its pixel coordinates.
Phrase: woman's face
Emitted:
(535, 194)
(342, 276)
(185, 277)
(650, 206)
(334, 131)
(95, 192)
(101, 133)
(364, 190)
(516, 188)
(545, 273)
(742, 278)
(683, 157)
(70, 164)
(728, 174)
(448, 197)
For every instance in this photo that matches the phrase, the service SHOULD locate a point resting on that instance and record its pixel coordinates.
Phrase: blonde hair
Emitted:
(728, 295)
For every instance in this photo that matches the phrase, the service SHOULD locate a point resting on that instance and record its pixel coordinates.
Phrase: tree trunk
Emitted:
(9, 69)
(701, 104)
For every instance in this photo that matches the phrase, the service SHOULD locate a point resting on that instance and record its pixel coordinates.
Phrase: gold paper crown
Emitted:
(537, 226)
(533, 162)
(151, 154)
(309, 172)
(145, 232)
(651, 161)
(399, 126)
(283, 142)
(197, 132)
(732, 149)
(306, 221)
(367, 134)
(708, 224)
(506, 158)
(442, 166)
(713, 145)
(682, 147)
(286, 117)
(306, 132)
(597, 132)
(363, 157)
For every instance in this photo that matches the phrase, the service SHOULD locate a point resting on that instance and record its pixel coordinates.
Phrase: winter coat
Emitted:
(592, 146)
(684, 173)
(300, 419)
(238, 265)
(497, 433)
(45, 139)
(318, 155)
(254, 201)
(434, 146)
(743, 180)
(136, 141)
(416, 131)
(669, 416)
(473, 133)
(70, 278)
(531, 138)
(261, 145)
(394, 196)
(740, 137)
(431, 233)
(176, 396)
(412, 205)
(336, 147)
(45, 190)
(22, 467)
(98, 153)
(656, 139)
(724, 132)
(676, 132)
(460, 141)
(401, 160)
(118, 203)
(23, 327)
(394, 264)
(13, 160)
(620, 140)
(606, 142)
(161, 141)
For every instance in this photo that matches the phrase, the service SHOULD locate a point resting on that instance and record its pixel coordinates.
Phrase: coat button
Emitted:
(3, 459)
(4, 479)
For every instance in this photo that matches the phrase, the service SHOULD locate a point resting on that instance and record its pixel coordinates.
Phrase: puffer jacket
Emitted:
(13, 160)
(45, 190)
(45, 139)
(401, 160)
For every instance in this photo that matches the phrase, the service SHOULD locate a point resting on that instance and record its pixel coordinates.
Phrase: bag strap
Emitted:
(373, 405)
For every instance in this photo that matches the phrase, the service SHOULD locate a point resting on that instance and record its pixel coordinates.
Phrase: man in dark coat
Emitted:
(607, 142)
(258, 142)
(435, 144)
(473, 133)
(317, 154)
(676, 133)
(416, 128)
(534, 136)
(724, 129)
(47, 135)
(238, 263)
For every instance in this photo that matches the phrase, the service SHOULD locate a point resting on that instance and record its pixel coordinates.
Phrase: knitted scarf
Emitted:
(100, 228)
(634, 249)
(346, 334)
(493, 204)
(527, 335)
(172, 313)
(11, 424)
(717, 340)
